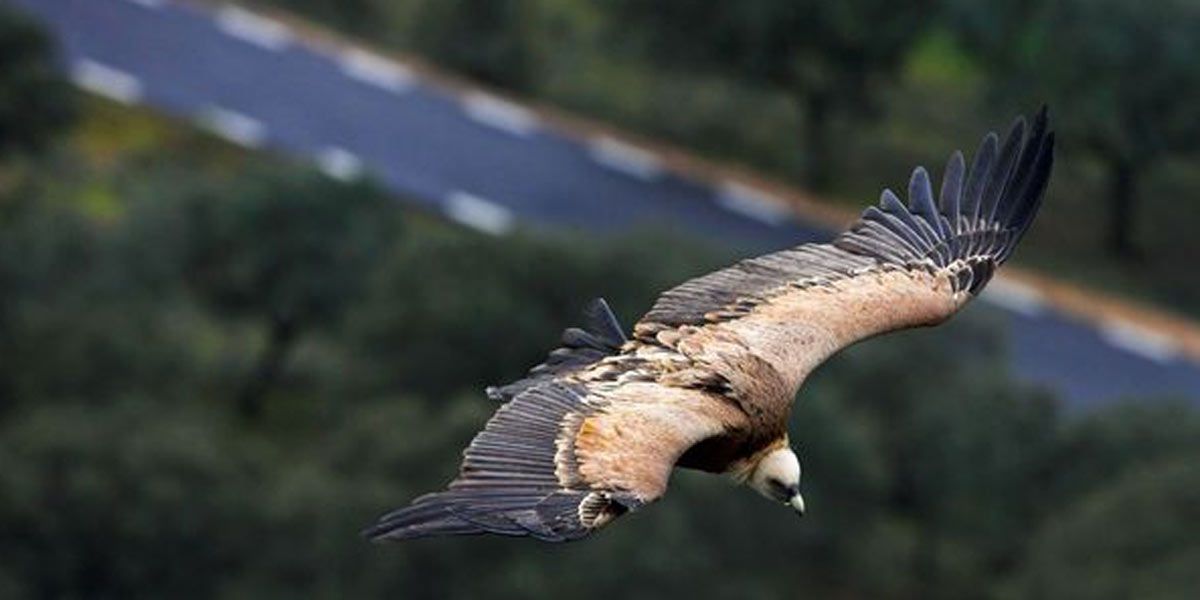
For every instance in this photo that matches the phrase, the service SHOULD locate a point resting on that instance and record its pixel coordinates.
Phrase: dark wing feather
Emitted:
(600, 336)
(974, 228)
(508, 483)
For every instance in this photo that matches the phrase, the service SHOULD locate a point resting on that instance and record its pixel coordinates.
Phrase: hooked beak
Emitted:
(797, 503)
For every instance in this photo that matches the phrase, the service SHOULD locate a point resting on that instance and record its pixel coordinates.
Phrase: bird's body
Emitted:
(708, 378)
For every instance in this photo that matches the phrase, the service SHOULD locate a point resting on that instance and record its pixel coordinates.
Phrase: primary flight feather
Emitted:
(708, 378)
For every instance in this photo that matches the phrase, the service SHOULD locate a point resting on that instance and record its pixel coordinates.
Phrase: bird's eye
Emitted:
(778, 488)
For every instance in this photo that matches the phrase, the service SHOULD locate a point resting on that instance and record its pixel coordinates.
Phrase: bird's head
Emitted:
(777, 477)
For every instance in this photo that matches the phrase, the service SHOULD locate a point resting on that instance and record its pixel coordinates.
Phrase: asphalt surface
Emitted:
(490, 165)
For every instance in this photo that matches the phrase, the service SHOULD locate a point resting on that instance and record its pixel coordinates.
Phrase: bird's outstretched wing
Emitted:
(565, 455)
(560, 460)
(562, 457)
(898, 266)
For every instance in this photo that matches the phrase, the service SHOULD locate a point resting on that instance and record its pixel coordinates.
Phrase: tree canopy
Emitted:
(832, 57)
(35, 101)
(1124, 77)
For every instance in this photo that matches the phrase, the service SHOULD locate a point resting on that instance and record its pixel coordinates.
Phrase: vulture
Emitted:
(706, 379)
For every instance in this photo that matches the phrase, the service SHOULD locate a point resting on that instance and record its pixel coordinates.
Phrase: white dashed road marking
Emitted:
(499, 114)
(106, 81)
(1132, 338)
(753, 203)
(1014, 296)
(339, 163)
(376, 70)
(254, 29)
(148, 3)
(233, 126)
(477, 213)
(625, 158)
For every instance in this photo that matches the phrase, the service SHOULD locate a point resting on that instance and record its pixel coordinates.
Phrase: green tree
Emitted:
(1095, 449)
(444, 313)
(35, 102)
(963, 451)
(832, 57)
(1134, 538)
(494, 41)
(122, 500)
(284, 247)
(78, 322)
(1124, 77)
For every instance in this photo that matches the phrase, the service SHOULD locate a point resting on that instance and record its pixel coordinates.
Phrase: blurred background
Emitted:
(255, 276)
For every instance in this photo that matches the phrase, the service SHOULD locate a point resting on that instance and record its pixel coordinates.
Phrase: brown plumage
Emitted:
(708, 379)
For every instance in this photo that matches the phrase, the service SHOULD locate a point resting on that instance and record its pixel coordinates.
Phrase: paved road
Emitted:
(489, 164)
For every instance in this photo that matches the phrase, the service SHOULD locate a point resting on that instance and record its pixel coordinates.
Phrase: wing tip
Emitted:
(382, 532)
(983, 210)
(417, 521)
(427, 516)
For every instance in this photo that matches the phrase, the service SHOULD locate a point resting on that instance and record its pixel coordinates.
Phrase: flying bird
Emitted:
(707, 379)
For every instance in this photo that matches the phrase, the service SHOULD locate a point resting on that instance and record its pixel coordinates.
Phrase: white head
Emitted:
(777, 477)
